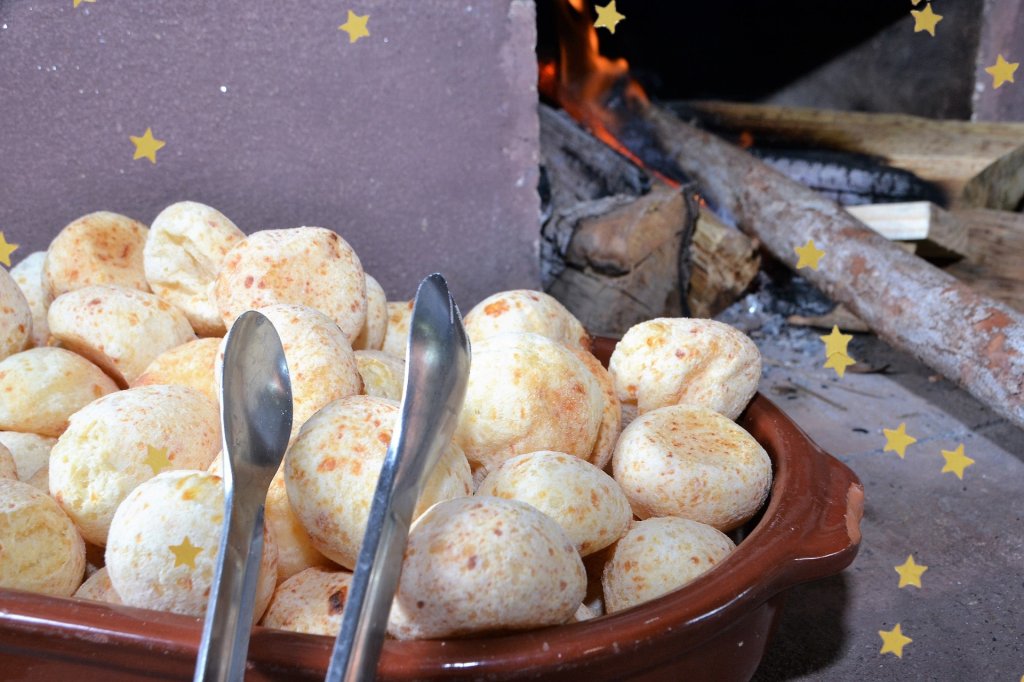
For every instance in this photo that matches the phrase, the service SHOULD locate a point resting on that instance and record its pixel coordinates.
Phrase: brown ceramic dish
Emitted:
(716, 628)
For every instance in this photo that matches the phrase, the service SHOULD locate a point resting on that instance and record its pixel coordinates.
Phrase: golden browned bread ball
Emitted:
(308, 266)
(120, 330)
(658, 556)
(28, 274)
(611, 415)
(479, 564)
(41, 387)
(15, 317)
(321, 363)
(671, 361)
(396, 336)
(191, 364)
(331, 472)
(98, 248)
(122, 440)
(524, 310)
(586, 502)
(31, 453)
(383, 374)
(694, 463)
(8, 468)
(371, 337)
(98, 587)
(311, 601)
(164, 541)
(295, 551)
(186, 247)
(527, 393)
(40, 549)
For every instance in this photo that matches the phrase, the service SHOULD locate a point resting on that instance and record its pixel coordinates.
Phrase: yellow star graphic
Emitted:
(897, 440)
(910, 572)
(185, 553)
(809, 255)
(6, 250)
(355, 26)
(893, 641)
(608, 16)
(157, 459)
(1002, 71)
(146, 146)
(956, 461)
(836, 342)
(839, 362)
(925, 19)
(79, 2)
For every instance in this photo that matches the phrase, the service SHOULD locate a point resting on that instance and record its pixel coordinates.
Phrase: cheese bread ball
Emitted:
(41, 387)
(321, 363)
(671, 361)
(31, 453)
(383, 374)
(99, 248)
(524, 310)
(164, 541)
(28, 274)
(186, 247)
(372, 335)
(586, 502)
(396, 336)
(121, 330)
(8, 468)
(694, 463)
(611, 415)
(191, 364)
(124, 439)
(331, 473)
(311, 601)
(15, 317)
(40, 549)
(308, 266)
(479, 564)
(527, 393)
(98, 587)
(658, 556)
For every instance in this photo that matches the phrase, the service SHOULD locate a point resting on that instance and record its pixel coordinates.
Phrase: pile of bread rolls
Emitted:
(558, 469)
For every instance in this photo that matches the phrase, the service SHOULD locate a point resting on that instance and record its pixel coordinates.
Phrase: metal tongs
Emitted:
(256, 416)
(436, 372)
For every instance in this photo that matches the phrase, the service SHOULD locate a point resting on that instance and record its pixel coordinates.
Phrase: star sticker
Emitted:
(836, 342)
(925, 19)
(839, 362)
(893, 641)
(956, 461)
(79, 2)
(185, 553)
(608, 16)
(355, 26)
(1002, 71)
(157, 459)
(910, 573)
(897, 440)
(6, 250)
(146, 146)
(809, 255)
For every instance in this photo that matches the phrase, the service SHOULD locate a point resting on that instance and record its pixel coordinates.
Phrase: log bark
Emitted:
(970, 338)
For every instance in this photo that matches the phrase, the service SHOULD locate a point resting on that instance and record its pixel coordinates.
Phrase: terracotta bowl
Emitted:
(716, 628)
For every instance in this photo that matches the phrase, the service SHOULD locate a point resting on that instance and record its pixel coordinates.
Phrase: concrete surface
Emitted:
(967, 619)
(417, 143)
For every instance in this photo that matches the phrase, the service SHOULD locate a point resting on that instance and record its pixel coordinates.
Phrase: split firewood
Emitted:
(937, 234)
(979, 165)
(970, 338)
(995, 255)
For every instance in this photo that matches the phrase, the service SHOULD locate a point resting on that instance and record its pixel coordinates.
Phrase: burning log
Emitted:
(619, 247)
(970, 338)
